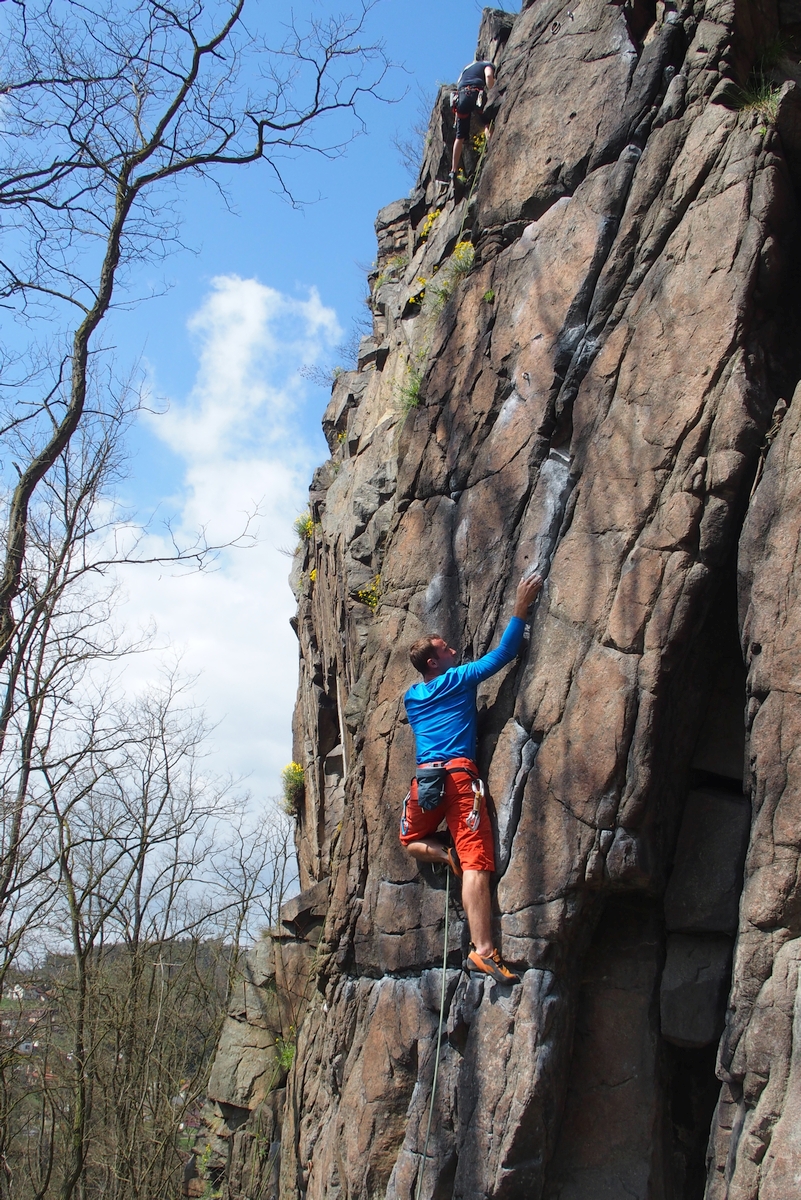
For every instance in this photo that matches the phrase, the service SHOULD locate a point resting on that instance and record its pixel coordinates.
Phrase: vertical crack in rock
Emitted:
(508, 808)
(754, 1141)
(556, 484)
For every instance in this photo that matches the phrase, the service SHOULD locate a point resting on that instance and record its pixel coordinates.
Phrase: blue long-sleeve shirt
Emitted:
(442, 712)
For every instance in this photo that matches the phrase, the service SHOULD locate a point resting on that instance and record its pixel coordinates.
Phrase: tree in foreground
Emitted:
(128, 878)
(106, 106)
(116, 891)
(153, 883)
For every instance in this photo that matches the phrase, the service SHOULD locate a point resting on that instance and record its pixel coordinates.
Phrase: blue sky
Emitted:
(267, 289)
(327, 243)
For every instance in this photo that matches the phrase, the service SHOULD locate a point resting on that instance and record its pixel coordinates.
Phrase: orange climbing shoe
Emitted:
(453, 862)
(493, 966)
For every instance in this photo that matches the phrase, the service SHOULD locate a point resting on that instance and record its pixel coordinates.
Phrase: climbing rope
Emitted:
(439, 1034)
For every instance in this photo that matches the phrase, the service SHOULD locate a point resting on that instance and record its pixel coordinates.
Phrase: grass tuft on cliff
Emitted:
(409, 390)
(761, 92)
(449, 276)
(761, 97)
(304, 526)
(294, 788)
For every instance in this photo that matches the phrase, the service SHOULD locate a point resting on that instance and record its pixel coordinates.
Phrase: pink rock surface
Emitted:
(597, 393)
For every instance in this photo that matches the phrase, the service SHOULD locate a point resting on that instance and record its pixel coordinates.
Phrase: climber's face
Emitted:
(446, 657)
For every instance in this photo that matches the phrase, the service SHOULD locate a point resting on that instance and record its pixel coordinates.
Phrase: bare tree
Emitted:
(106, 818)
(61, 629)
(106, 106)
(151, 895)
(411, 143)
(112, 855)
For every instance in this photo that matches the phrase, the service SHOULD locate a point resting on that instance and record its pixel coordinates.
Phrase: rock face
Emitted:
(594, 385)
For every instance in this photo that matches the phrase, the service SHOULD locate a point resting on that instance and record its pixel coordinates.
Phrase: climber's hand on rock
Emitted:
(528, 589)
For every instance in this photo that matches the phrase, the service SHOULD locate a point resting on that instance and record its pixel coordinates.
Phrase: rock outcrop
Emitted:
(581, 361)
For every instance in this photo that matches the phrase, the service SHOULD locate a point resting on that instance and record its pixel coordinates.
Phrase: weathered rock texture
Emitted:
(598, 394)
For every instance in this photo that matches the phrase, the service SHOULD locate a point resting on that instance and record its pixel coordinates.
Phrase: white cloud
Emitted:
(240, 437)
(251, 339)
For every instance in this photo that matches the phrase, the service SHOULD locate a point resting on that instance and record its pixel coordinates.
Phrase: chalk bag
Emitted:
(430, 787)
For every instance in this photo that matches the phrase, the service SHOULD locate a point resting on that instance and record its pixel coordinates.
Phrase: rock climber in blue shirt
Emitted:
(442, 714)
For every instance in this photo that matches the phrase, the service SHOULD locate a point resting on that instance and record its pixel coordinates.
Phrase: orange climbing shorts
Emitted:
(474, 848)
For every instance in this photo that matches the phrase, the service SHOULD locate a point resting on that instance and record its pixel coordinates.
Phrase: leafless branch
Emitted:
(105, 105)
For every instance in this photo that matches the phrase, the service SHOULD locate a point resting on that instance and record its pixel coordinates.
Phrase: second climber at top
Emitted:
(442, 714)
(471, 89)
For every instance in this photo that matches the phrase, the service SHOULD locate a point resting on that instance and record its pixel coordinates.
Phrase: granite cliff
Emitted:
(586, 359)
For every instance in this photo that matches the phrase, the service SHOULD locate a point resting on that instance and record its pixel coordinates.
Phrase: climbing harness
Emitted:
(461, 94)
(439, 1035)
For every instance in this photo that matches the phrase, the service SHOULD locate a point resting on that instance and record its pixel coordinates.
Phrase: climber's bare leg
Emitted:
(429, 849)
(475, 892)
(476, 904)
